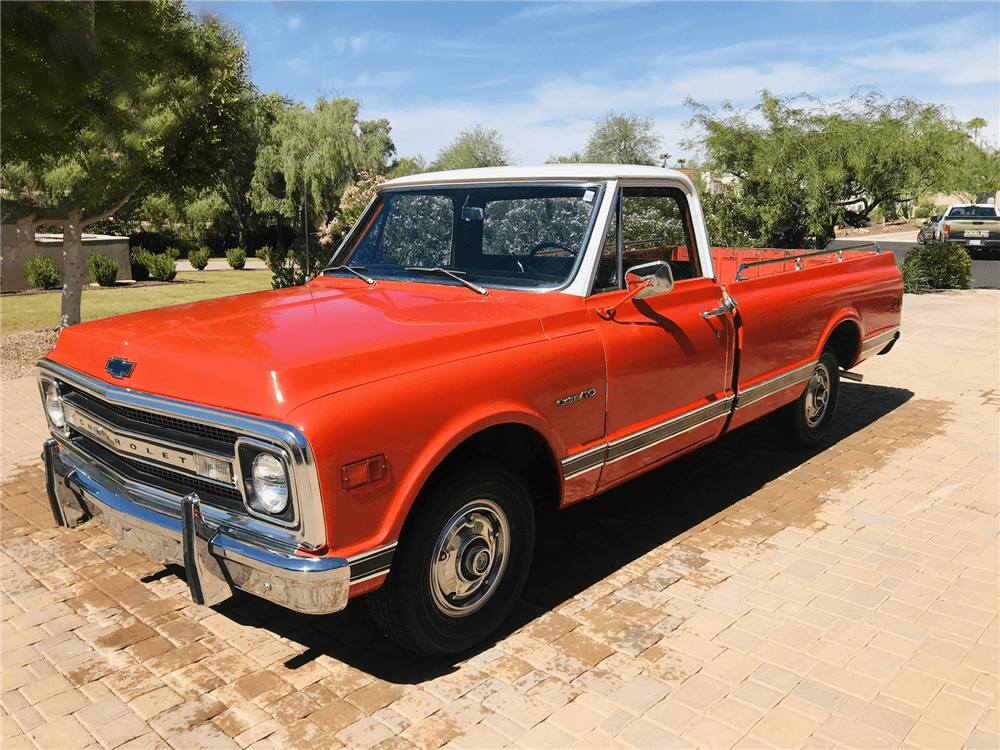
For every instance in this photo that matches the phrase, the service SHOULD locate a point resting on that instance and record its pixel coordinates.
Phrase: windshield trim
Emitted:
(599, 185)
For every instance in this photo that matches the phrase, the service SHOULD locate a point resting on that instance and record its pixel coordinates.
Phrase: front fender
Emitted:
(417, 419)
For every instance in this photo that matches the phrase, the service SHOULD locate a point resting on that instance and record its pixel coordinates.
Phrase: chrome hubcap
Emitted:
(817, 396)
(469, 558)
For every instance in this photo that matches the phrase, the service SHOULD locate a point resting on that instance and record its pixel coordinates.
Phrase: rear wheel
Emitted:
(806, 421)
(460, 565)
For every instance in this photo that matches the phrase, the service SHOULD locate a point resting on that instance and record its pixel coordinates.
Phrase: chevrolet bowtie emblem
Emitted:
(119, 367)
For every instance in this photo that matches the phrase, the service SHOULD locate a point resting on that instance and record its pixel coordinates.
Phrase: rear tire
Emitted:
(806, 421)
(461, 563)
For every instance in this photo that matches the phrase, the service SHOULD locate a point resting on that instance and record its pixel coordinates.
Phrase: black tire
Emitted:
(461, 563)
(805, 422)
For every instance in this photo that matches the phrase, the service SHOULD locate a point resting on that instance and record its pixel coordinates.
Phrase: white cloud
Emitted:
(359, 43)
(294, 22)
(299, 65)
(971, 61)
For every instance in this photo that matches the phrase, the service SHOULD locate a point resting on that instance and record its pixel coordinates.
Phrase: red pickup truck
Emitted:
(483, 345)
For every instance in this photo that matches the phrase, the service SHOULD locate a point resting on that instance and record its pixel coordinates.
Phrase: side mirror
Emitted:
(646, 280)
(656, 278)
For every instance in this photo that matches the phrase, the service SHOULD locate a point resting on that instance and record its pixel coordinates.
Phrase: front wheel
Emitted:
(806, 421)
(460, 565)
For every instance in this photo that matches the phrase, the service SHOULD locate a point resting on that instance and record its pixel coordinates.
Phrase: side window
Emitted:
(656, 225)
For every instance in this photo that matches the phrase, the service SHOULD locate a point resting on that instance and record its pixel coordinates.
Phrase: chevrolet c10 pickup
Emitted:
(483, 345)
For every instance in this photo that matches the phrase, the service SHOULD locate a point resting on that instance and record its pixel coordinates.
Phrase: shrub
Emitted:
(943, 265)
(42, 273)
(162, 267)
(922, 212)
(102, 269)
(236, 258)
(288, 266)
(140, 259)
(199, 258)
(264, 254)
(172, 252)
(914, 279)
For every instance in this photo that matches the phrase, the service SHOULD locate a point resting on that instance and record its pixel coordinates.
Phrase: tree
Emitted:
(622, 139)
(407, 165)
(326, 147)
(475, 147)
(574, 158)
(309, 158)
(101, 100)
(803, 166)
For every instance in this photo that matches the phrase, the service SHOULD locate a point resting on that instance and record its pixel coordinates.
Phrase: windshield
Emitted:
(511, 236)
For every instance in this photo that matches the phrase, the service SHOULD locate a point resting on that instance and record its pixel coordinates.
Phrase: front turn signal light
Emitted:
(364, 472)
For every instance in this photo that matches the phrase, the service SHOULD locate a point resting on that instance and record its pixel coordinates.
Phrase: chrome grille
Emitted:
(172, 423)
(151, 423)
(203, 487)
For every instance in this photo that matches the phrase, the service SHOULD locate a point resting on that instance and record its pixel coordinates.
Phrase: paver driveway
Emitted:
(742, 596)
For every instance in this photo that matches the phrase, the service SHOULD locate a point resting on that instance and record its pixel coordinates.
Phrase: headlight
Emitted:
(270, 484)
(53, 405)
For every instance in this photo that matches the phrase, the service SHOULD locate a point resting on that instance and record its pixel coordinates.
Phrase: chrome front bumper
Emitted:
(216, 563)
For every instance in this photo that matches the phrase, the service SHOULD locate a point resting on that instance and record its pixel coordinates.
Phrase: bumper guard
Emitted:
(215, 562)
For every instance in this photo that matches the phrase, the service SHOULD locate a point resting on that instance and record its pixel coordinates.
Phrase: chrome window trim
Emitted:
(310, 530)
(878, 340)
(771, 386)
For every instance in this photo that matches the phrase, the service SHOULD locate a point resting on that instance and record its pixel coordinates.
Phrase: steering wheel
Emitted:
(544, 245)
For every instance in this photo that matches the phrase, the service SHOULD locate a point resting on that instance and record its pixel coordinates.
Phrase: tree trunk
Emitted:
(72, 293)
(73, 270)
(25, 240)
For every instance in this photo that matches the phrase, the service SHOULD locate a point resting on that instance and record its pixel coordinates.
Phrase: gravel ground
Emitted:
(20, 351)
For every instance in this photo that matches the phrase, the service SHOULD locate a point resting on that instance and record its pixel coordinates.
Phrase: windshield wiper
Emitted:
(453, 274)
(354, 270)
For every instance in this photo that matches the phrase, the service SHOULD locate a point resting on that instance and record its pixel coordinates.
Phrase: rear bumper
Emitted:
(216, 562)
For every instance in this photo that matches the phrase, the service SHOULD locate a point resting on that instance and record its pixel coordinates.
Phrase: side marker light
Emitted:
(364, 472)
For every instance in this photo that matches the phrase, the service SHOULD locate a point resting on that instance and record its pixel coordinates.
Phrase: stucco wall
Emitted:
(14, 278)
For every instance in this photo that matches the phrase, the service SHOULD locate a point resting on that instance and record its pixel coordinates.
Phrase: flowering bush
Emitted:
(352, 204)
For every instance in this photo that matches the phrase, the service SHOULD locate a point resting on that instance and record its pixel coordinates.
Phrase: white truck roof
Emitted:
(540, 173)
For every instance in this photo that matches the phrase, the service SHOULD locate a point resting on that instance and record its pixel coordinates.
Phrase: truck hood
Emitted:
(269, 352)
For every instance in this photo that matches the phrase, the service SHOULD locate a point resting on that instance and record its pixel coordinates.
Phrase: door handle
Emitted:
(728, 305)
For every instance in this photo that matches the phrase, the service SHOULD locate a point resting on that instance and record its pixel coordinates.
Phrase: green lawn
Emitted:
(31, 311)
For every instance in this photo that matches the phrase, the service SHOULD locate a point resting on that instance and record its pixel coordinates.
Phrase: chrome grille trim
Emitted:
(309, 529)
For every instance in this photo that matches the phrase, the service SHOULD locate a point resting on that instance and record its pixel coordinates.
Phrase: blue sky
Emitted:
(543, 73)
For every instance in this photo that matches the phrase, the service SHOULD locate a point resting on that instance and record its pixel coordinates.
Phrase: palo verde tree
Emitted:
(101, 100)
(475, 147)
(627, 138)
(803, 166)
